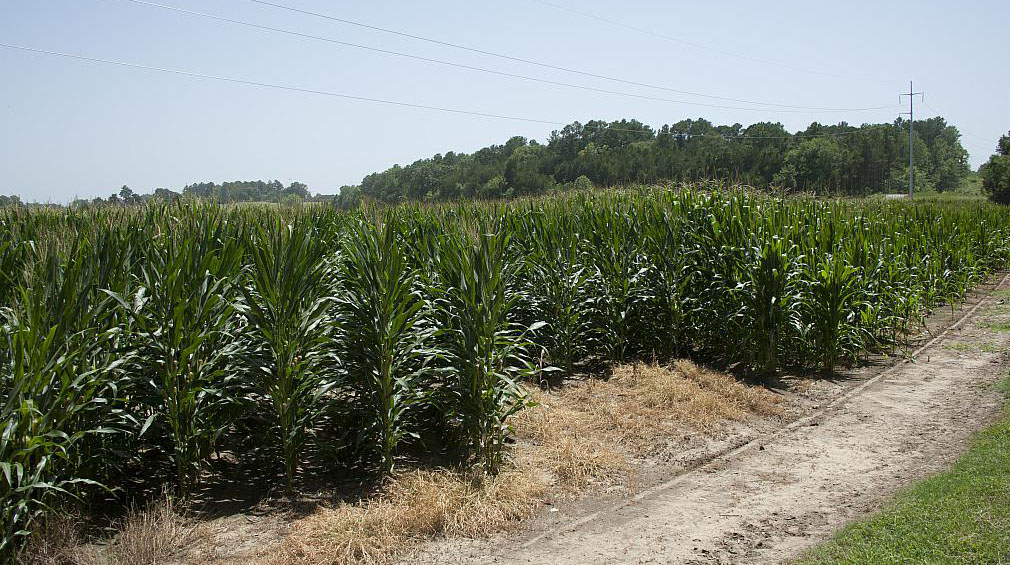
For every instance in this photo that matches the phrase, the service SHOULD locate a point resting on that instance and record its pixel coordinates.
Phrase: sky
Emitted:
(78, 129)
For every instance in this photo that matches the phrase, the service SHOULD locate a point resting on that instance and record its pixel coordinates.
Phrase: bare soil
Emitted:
(765, 493)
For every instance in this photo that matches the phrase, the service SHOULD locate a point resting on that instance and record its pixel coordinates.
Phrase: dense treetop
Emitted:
(247, 191)
(996, 172)
(837, 159)
(226, 192)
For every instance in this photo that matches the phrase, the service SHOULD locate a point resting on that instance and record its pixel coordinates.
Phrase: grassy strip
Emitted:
(961, 516)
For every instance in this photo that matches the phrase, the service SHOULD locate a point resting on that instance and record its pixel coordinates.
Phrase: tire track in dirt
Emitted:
(774, 496)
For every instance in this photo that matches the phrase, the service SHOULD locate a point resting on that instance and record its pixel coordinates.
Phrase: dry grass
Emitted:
(147, 536)
(638, 407)
(151, 535)
(56, 542)
(650, 398)
(561, 438)
(414, 506)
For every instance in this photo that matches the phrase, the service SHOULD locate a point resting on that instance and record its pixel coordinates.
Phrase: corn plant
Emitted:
(11, 259)
(181, 316)
(58, 387)
(831, 310)
(614, 248)
(486, 354)
(768, 304)
(669, 278)
(558, 279)
(385, 336)
(286, 305)
(718, 246)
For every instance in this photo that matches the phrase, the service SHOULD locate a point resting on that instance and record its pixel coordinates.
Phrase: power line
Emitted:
(276, 86)
(984, 146)
(692, 44)
(467, 67)
(391, 102)
(960, 129)
(549, 65)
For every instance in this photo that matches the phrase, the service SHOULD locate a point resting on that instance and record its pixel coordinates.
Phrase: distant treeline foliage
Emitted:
(996, 173)
(247, 191)
(839, 159)
(225, 193)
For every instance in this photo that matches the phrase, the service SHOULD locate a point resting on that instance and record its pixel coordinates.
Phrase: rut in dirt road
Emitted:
(772, 499)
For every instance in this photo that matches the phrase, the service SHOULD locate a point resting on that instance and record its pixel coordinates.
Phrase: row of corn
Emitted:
(150, 340)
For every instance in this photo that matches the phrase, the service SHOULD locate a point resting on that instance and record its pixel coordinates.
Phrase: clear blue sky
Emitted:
(77, 129)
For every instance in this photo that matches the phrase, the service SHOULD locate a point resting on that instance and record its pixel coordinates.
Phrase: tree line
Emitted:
(224, 193)
(822, 159)
(248, 191)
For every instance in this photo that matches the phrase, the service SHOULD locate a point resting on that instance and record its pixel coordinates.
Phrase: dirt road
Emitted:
(769, 500)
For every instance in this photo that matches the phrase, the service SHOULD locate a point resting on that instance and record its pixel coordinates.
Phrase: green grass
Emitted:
(1004, 294)
(1000, 327)
(960, 516)
(970, 189)
(949, 197)
(971, 184)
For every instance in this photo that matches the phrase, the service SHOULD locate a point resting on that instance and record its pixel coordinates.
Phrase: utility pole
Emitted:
(911, 153)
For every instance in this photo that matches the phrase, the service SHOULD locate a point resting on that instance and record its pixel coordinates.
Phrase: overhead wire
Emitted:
(475, 68)
(305, 90)
(548, 65)
(978, 142)
(275, 86)
(960, 129)
(697, 45)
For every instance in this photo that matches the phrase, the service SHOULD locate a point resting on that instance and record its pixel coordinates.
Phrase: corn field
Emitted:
(150, 340)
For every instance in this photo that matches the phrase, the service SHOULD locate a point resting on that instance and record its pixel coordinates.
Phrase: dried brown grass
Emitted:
(416, 505)
(145, 536)
(151, 535)
(55, 542)
(558, 436)
(640, 405)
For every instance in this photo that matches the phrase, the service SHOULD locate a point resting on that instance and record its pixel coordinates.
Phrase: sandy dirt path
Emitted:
(774, 497)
